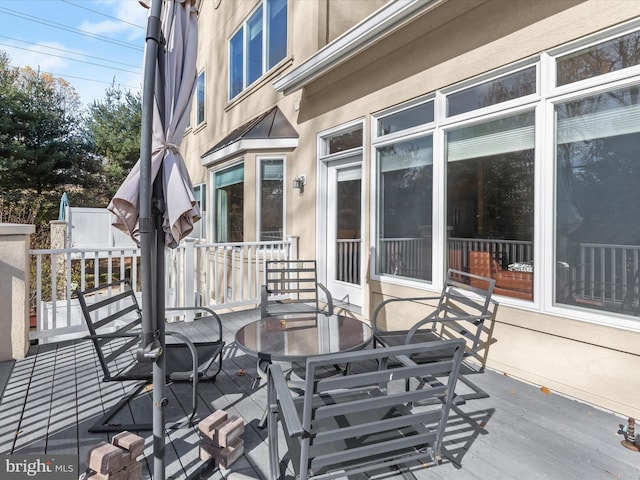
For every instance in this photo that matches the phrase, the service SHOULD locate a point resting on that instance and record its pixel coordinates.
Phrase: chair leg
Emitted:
(478, 392)
(104, 425)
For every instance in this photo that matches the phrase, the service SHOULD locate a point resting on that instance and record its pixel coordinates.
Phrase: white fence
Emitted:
(219, 276)
(91, 228)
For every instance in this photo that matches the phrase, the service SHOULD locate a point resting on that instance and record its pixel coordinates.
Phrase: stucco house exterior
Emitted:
(400, 138)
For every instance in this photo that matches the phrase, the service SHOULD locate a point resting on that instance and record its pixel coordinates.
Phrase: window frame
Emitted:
(243, 29)
(259, 160)
(214, 197)
(199, 122)
(543, 103)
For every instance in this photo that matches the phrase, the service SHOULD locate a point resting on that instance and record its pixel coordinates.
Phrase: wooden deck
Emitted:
(53, 396)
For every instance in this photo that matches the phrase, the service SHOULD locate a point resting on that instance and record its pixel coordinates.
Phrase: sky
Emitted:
(92, 44)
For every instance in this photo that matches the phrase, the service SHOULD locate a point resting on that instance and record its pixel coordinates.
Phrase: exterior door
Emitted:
(344, 230)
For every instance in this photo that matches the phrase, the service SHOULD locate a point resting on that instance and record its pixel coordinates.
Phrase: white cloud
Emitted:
(130, 12)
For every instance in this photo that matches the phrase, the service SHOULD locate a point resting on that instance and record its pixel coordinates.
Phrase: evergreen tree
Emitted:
(113, 125)
(42, 144)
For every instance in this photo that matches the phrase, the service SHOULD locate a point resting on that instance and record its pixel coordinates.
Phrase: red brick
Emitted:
(105, 458)
(130, 442)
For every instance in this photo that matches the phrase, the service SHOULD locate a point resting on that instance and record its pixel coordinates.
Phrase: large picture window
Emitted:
(229, 197)
(529, 175)
(598, 201)
(405, 186)
(490, 195)
(258, 45)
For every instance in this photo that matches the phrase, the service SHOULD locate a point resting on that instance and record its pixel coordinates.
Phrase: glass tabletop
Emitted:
(293, 338)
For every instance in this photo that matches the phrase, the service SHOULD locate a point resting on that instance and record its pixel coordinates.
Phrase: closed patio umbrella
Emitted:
(155, 204)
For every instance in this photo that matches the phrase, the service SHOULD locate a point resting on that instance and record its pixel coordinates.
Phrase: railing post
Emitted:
(189, 277)
(293, 246)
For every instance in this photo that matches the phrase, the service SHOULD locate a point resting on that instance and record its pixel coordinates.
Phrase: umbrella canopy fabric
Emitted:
(170, 119)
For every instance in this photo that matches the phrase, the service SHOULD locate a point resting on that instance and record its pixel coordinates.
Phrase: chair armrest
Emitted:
(376, 312)
(210, 313)
(288, 412)
(329, 298)
(192, 349)
(430, 319)
(112, 335)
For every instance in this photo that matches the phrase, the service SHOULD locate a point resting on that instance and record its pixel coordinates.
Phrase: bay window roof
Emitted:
(268, 131)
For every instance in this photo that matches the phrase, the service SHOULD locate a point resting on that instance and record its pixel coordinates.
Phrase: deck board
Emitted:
(54, 395)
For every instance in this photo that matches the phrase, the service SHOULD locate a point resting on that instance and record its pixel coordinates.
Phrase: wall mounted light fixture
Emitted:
(299, 182)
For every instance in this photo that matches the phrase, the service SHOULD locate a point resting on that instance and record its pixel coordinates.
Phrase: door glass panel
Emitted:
(348, 223)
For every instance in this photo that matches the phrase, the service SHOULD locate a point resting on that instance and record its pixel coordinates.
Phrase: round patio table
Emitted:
(294, 338)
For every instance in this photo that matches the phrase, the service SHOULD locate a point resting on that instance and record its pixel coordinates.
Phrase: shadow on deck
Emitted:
(53, 396)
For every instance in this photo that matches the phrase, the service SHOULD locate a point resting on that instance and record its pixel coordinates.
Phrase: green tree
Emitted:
(113, 125)
(42, 145)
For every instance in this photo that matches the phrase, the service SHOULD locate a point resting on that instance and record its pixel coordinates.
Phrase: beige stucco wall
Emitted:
(14, 294)
(454, 42)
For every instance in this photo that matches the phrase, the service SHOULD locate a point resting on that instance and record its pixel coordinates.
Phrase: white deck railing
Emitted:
(221, 275)
(226, 275)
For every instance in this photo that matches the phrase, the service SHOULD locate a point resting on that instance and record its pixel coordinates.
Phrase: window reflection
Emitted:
(411, 117)
(345, 141)
(405, 180)
(229, 188)
(271, 201)
(598, 201)
(490, 195)
(616, 54)
(496, 91)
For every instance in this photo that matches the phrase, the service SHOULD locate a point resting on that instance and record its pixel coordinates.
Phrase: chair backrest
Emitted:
(295, 281)
(369, 416)
(466, 302)
(112, 309)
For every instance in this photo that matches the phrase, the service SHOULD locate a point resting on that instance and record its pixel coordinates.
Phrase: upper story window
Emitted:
(200, 99)
(605, 57)
(258, 45)
(501, 89)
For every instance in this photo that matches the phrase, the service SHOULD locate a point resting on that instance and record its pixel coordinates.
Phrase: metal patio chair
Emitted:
(464, 309)
(291, 286)
(113, 317)
(363, 420)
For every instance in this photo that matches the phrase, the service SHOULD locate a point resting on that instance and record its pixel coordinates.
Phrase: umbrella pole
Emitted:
(150, 349)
